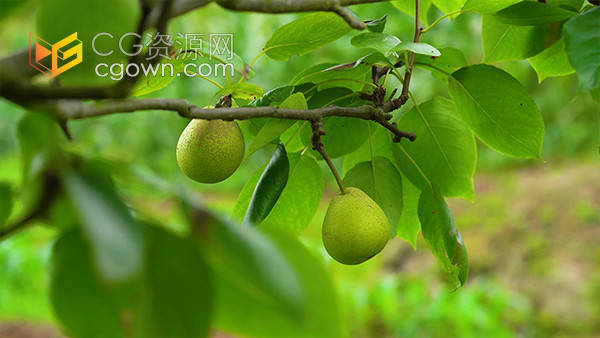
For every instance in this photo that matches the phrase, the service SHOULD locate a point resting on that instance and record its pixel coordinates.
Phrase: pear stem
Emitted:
(317, 128)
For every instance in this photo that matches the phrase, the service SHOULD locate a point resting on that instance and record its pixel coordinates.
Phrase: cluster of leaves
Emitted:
(116, 274)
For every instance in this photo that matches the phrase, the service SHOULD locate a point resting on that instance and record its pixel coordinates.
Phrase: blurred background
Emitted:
(532, 232)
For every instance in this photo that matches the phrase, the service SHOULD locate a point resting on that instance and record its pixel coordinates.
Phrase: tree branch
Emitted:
(350, 18)
(288, 6)
(75, 109)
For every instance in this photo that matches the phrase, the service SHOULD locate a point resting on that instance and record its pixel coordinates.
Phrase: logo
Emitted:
(55, 59)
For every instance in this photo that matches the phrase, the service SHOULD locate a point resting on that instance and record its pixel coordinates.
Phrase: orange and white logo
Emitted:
(54, 59)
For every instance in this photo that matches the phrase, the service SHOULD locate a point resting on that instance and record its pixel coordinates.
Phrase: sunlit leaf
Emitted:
(451, 60)
(418, 48)
(498, 110)
(444, 153)
(552, 62)
(488, 6)
(408, 7)
(381, 42)
(504, 42)
(300, 198)
(305, 35)
(409, 225)
(530, 13)
(273, 128)
(324, 77)
(582, 38)
(274, 96)
(244, 90)
(444, 240)
(448, 6)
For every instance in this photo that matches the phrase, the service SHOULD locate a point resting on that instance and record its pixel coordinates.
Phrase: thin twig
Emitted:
(411, 61)
(350, 18)
(49, 192)
(317, 129)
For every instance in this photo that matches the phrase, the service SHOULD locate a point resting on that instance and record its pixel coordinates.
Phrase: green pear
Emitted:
(355, 228)
(210, 151)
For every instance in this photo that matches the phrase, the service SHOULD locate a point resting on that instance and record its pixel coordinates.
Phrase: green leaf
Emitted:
(269, 187)
(6, 202)
(342, 97)
(444, 153)
(530, 13)
(374, 58)
(343, 135)
(244, 313)
(246, 259)
(595, 94)
(383, 183)
(451, 60)
(582, 38)
(305, 34)
(172, 297)
(107, 224)
(409, 225)
(326, 76)
(552, 62)
(40, 141)
(381, 42)
(499, 110)
(503, 42)
(80, 301)
(175, 294)
(487, 6)
(379, 143)
(244, 90)
(300, 198)
(448, 6)
(444, 240)
(275, 96)
(418, 48)
(322, 316)
(292, 139)
(243, 202)
(273, 128)
(408, 7)
(377, 26)
(572, 5)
